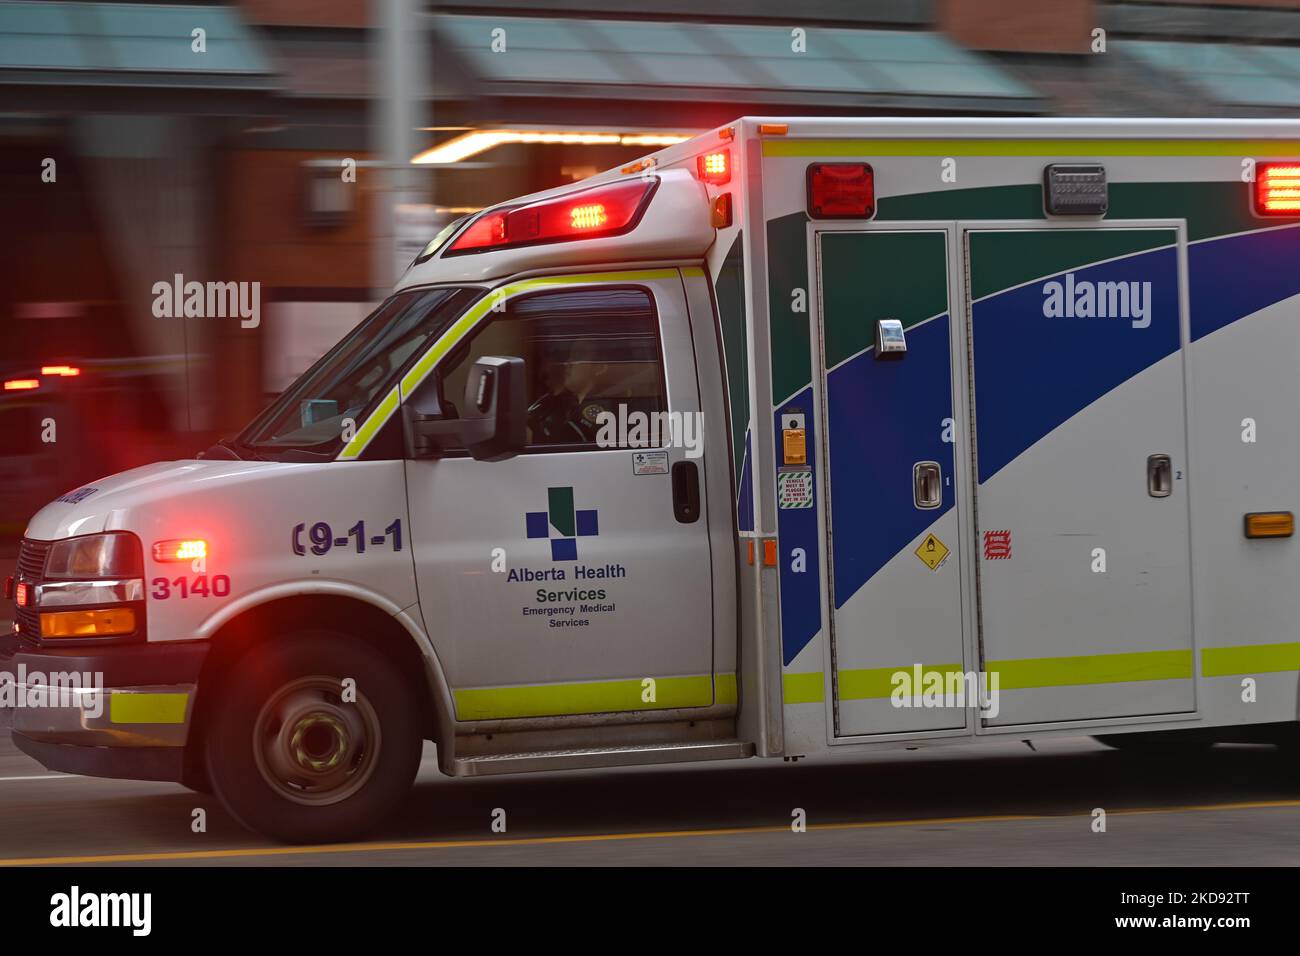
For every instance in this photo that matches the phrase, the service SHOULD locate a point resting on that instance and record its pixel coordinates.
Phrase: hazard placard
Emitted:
(932, 552)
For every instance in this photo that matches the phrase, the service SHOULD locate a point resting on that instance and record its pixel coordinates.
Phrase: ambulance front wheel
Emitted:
(314, 738)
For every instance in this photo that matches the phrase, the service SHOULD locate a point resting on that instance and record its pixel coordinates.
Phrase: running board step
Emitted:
(589, 757)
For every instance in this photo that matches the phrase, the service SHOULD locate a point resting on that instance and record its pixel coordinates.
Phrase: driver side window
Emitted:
(586, 351)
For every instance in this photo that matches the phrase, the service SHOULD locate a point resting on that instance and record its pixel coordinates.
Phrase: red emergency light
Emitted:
(21, 384)
(714, 167)
(600, 211)
(841, 191)
(66, 371)
(1277, 189)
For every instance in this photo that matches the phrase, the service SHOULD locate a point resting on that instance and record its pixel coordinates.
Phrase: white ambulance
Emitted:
(799, 439)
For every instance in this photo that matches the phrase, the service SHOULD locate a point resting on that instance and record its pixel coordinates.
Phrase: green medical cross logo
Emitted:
(561, 517)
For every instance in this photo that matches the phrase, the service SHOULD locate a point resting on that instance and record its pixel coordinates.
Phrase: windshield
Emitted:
(355, 374)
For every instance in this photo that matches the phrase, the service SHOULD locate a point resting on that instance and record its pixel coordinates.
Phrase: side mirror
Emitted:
(494, 415)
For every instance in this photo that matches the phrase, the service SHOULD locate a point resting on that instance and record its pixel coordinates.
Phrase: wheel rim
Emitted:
(312, 747)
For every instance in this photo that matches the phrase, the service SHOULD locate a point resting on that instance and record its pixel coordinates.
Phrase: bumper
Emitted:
(112, 711)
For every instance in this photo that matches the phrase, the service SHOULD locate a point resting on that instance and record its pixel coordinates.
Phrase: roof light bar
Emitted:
(597, 212)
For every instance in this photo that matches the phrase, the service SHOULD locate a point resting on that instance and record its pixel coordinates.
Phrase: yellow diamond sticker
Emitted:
(932, 552)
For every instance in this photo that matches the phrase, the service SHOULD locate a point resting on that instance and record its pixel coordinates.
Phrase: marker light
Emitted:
(67, 371)
(595, 212)
(841, 191)
(21, 594)
(1277, 189)
(1270, 524)
(715, 167)
(180, 550)
(20, 384)
(721, 215)
(105, 622)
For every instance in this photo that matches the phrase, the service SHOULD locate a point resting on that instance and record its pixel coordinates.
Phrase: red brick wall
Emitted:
(1027, 26)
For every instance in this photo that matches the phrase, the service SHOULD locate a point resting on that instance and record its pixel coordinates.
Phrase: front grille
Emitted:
(31, 568)
(31, 559)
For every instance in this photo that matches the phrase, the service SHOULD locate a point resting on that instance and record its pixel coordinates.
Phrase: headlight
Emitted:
(114, 555)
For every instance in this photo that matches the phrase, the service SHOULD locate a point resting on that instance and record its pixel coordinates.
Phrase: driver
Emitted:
(568, 413)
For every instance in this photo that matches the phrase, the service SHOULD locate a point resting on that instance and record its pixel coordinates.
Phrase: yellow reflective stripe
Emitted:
(466, 323)
(378, 418)
(1249, 659)
(693, 272)
(1092, 669)
(807, 688)
(1031, 147)
(166, 708)
(725, 689)
(595, 697)
(878, 681)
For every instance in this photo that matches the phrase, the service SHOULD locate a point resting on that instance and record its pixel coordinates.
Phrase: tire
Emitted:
(289, 758)
(1167, 742)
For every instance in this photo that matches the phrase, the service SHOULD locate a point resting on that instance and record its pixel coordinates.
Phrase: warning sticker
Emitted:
(932, 552)
(794, 489)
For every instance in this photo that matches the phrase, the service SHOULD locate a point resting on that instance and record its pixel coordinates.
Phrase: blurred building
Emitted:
(213, 141)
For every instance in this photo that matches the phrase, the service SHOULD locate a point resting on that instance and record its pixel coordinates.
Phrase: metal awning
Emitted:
(129, 44)
(643, 60)
(1227, 73)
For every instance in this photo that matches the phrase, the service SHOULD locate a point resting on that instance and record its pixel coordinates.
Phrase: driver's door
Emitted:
(566, 580)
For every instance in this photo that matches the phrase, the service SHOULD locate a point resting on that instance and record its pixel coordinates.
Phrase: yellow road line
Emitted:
(253, 852)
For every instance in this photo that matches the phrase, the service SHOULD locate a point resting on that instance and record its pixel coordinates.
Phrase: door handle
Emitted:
(686, 492)
(1160, 476)
(927, 485)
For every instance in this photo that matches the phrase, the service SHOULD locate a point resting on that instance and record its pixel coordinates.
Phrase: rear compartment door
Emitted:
(894, 557)
(1081, 504)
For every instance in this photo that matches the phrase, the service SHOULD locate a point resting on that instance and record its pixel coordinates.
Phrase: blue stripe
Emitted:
(801, 604)
(1032, 373)
(883, 418)
(745, 493)
(1232, 277)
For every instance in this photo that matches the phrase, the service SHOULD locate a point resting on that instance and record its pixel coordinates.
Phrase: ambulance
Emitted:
(799, 439)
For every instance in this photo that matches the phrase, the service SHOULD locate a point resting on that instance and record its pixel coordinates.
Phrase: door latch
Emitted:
(1160, 476)
(927, 485)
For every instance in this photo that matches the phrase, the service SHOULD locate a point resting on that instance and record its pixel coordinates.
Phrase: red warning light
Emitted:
(1277, 189)
(67, 371)
(21, 384)
(841, 191)
(714, 168)
(609, 210)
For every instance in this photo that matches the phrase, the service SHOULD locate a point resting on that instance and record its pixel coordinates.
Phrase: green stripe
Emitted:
(804, 688)
(878, 681)
(595, 697)
(1005, 259)
(1031, 147)
(147, 708)
(1092, 669)
(1250, 659)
